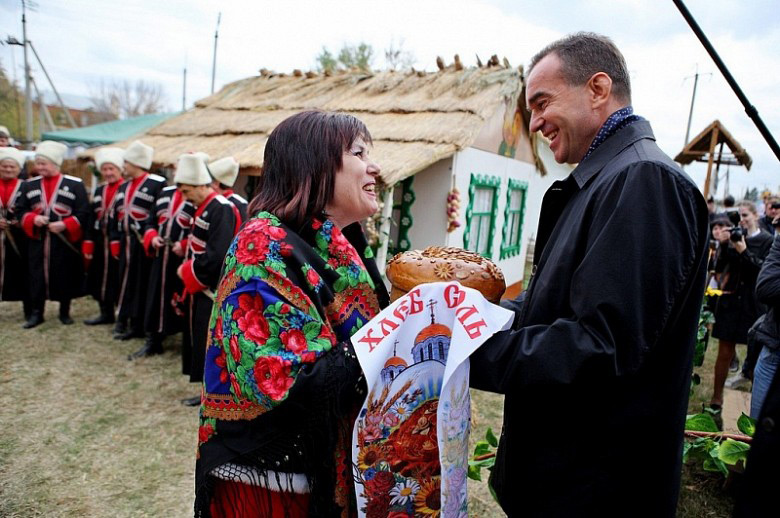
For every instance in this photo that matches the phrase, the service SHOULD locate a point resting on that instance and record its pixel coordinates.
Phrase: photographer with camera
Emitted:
(742, 247)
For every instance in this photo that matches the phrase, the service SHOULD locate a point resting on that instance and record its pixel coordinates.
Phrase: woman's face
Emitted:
(354, 195)
(747, 218)
(9, 169)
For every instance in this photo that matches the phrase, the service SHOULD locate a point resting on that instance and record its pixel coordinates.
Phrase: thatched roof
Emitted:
(415, 118)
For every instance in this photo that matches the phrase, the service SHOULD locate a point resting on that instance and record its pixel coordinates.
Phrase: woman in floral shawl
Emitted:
(282, 384)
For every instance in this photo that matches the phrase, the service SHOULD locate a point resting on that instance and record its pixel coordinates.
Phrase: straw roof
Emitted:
(415, 118)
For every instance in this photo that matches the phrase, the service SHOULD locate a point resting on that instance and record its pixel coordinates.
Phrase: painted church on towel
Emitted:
(432, 343)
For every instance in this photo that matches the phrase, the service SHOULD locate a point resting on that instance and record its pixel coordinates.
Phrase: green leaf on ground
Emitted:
(732, 451)
(746, 425)
(491, 438)
(701, 423)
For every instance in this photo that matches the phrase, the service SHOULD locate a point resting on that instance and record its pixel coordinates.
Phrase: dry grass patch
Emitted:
(86, 432)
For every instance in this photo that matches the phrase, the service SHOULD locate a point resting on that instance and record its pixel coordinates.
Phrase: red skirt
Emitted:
(237, 500)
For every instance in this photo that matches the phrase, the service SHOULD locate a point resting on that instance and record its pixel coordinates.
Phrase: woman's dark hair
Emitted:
(302, 156)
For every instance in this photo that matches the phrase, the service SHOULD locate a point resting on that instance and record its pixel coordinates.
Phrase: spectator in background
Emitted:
(741, 253)
(5, 137)
(771, 211)
(767, 332)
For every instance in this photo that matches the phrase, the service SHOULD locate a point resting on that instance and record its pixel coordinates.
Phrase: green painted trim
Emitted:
(507, 249)
(405, 219)
(482, 182)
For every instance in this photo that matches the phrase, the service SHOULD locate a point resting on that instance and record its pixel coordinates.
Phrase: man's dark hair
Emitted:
(302, 156)
(728, 201)
(583, 54)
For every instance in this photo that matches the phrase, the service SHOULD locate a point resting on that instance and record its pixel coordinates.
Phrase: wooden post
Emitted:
(713, 142)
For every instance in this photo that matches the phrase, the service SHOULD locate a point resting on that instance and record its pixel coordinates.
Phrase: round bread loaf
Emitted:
(437, 263)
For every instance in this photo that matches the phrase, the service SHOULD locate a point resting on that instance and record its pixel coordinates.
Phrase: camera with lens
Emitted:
(737, 232)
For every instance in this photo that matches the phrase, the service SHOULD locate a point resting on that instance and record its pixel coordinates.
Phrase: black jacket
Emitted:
(597, 369)
(762, 473)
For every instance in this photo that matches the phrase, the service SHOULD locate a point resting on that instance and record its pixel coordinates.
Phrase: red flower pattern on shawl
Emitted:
(272, 375)
(294, 340)
(250, 319)
(254, 240)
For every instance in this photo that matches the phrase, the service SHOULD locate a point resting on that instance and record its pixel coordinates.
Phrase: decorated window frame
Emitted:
(404, 221)
(512, 234)
(487, 187)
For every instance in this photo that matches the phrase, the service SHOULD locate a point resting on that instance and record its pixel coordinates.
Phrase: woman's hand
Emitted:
(740, 245)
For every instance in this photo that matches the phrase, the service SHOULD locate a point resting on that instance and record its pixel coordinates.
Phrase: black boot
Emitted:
(191, 401)
(130, 334)
(151, 347)
(119, 329)
(36, 318)
(65, 312)
(27, 307)
(106, 315)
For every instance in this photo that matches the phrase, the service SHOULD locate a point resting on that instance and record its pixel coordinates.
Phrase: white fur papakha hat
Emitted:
(139, 154)
(224, 170)
(110, 155)
(191, 170)
(11, 153)
(52, 151)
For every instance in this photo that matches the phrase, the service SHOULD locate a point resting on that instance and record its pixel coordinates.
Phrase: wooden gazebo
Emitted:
(702, 148)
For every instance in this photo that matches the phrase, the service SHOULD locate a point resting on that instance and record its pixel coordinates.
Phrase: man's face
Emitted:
(770, 211)
(4, 142)
(9, 169)
(46, 168)
(563, 113)
(194, 194)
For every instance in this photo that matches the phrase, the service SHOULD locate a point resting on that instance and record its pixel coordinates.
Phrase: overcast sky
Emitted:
(84, 41)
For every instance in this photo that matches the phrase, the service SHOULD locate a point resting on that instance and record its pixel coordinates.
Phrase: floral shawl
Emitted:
(281, 387)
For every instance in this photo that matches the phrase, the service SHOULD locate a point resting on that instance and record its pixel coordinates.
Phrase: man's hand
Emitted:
(177, 249)
(41, 221)
(158, 242)
(3, 223)
(56, 227)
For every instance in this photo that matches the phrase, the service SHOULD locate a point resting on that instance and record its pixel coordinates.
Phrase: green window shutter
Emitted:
(481, 214)
(514, 214)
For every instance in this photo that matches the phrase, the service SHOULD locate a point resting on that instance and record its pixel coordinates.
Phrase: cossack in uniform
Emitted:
(13, 247)
(173, 218)
(55, 265)
(103, 268)
(210, 236)
(133, 214)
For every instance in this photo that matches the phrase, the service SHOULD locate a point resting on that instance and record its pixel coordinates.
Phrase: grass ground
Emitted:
(87, 433)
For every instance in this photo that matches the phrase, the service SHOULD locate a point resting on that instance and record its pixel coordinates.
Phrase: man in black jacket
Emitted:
(597, 367)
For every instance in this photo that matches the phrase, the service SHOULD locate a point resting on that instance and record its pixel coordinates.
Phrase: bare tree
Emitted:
(123, 99)
(397, 58)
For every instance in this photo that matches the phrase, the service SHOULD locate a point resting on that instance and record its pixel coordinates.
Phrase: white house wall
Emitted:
(429, 210)
(474, 161)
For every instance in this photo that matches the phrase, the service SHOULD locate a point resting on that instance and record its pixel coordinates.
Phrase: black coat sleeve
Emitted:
(622, 294)
(208, 265)
(768, 283)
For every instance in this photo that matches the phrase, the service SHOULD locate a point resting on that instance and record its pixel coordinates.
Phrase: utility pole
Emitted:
(27, 76)
(214, 61)
(693, 98)
(65, 110)
(184, 91)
